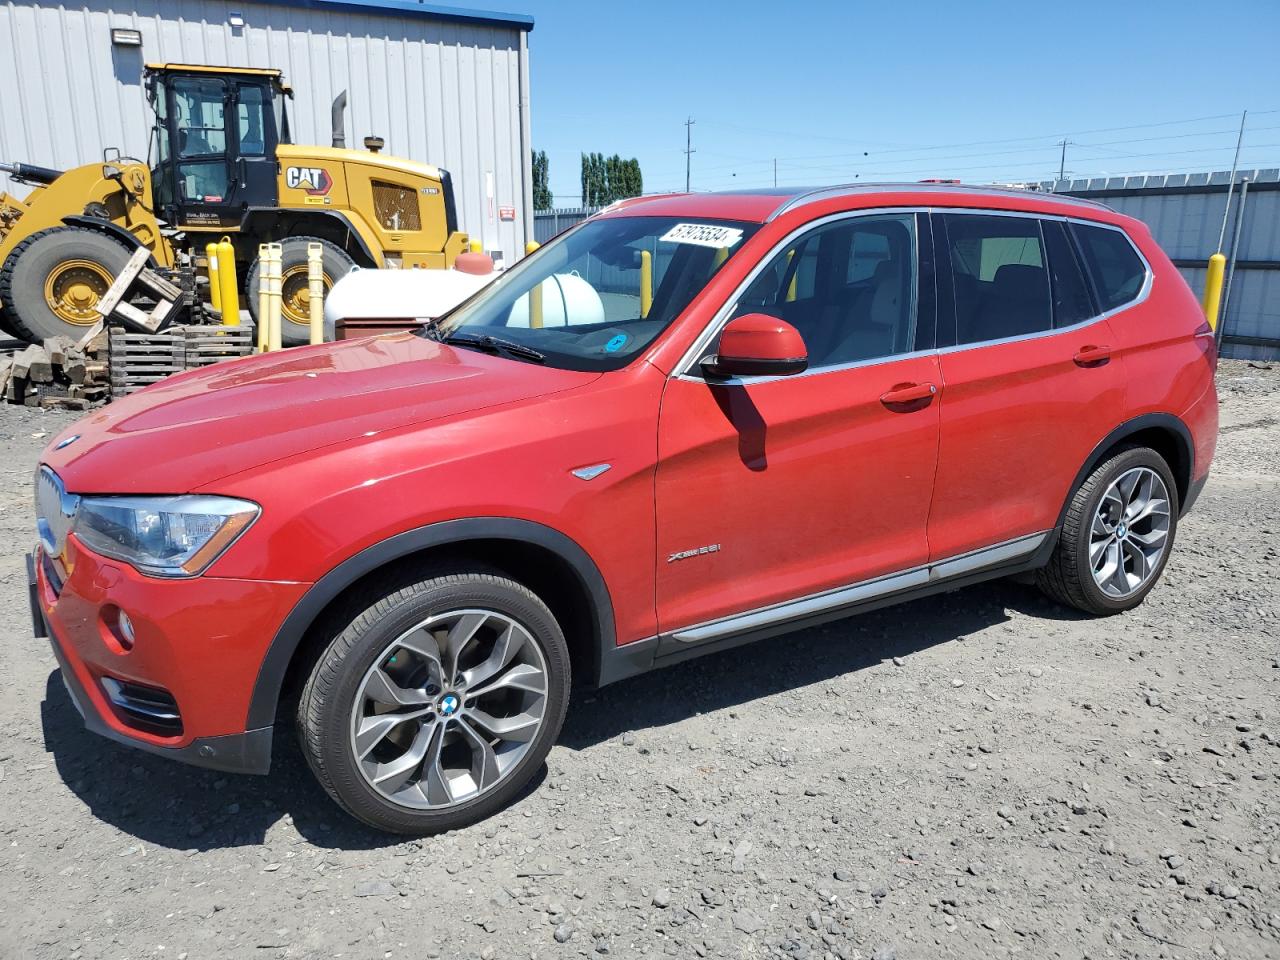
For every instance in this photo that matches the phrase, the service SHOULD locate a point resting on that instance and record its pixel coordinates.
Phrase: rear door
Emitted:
(774, 488)
(1030, 385)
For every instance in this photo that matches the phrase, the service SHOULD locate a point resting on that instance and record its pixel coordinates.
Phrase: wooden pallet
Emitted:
(141, 359)
(206, 345)
(135, 281)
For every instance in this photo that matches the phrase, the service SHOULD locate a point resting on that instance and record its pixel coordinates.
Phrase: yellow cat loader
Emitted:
(221, 163)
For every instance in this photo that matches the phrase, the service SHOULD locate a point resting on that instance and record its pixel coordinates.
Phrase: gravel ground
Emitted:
(978, 774)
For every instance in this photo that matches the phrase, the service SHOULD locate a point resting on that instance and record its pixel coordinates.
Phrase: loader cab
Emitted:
(214, 142)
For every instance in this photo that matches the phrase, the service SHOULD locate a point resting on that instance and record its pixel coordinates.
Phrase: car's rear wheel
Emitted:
(1117, 535)
(437, 702)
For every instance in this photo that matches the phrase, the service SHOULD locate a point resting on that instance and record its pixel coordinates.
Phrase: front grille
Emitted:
(144, 708)
(396, 207)
(55, 510)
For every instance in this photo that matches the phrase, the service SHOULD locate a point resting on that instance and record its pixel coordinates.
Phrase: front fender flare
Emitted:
(275, 665)
(110, 229)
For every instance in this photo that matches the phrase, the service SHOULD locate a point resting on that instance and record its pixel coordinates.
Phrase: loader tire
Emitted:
(294, 326)
(53, 280)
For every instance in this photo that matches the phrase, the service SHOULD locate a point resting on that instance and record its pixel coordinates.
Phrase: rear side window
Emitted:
(1071, 300)
(1001, 281)
(1118, 272)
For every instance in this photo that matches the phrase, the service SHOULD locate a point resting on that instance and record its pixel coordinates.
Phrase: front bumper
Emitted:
(201, 641)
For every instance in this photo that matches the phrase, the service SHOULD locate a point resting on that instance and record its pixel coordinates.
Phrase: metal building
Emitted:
(1185, 214)
(439, 84)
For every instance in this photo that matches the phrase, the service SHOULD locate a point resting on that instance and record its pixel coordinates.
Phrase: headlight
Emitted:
(163, 536)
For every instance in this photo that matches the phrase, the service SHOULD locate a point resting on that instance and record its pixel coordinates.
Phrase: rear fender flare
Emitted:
(1161, 421)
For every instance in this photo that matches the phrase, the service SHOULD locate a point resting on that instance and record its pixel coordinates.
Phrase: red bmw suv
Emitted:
(687, 423)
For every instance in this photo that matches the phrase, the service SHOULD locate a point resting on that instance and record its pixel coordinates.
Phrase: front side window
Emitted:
(202, 125)
(596, 296)
(251, 121)
(849, 287)
(200, 116)
(1000, 279)
(1118, 272)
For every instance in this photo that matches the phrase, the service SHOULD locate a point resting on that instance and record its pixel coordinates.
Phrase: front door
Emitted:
(773, 488)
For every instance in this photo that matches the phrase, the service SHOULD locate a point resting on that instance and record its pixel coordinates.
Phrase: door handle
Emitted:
(908, 393)
(1094, 355)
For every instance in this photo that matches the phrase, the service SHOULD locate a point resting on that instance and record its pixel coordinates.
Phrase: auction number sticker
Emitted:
(702, 234)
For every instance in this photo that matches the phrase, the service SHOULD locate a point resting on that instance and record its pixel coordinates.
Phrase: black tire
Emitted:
(6, 327)
(22, 279)
(293, 254)
(362, 633)
(1068, 577)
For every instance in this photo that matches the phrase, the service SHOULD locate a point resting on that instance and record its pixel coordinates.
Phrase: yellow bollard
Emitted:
(476, 246)
(535, 295)
(264, 296)
(646, 283)
(722, 254)
(791, 287)
(230, 290)
(315, 290)
(274, 305)
(1213, 289)
(215, 292)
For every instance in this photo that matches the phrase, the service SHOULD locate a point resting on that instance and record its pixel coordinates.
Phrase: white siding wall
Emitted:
(444, 92)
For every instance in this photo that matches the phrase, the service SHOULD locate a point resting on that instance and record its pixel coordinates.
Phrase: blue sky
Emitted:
(843, 90)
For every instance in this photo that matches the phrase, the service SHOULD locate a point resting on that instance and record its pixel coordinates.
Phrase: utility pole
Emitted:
(688, 150)
(1231, 187)
(1062, 163)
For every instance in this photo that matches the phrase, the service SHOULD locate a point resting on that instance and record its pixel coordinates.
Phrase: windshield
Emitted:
(598, 295)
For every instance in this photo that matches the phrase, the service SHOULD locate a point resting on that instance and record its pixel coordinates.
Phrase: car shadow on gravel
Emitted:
(182, 807)
(796, 660)
(177, 806)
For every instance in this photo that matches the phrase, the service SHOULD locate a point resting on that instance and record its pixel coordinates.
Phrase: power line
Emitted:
(1009, 140)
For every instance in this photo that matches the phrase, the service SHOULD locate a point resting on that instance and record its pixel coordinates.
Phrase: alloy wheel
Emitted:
(1129, 533)
(449, 708)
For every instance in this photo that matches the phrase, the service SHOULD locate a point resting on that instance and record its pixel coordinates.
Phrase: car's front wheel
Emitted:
(437, 702)
(1117, 535)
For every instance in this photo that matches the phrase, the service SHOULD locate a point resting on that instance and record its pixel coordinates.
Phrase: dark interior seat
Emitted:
(1012, 304)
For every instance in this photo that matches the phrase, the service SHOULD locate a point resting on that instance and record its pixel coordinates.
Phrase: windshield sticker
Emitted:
(702, 234)
(616, 343)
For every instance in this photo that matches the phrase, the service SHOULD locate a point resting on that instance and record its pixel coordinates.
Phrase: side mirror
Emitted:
(756, 345)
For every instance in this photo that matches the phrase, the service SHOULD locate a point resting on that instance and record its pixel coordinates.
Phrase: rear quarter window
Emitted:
(1117, 271)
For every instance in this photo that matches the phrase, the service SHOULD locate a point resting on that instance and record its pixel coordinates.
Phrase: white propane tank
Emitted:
(566, 299)
(394, 294)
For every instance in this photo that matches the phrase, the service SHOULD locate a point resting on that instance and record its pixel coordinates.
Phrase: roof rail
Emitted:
(849, 189)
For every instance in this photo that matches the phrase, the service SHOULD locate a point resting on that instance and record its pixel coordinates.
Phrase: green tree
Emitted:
(541, 181)
(606, 179)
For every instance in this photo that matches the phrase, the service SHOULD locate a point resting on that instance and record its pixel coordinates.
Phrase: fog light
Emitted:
(126, 627)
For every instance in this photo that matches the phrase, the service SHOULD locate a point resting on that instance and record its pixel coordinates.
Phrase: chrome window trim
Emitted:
(686, 369)
(690, 357)
(934, 572)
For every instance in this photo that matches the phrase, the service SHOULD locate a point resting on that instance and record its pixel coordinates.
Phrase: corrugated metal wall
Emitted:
(552, 223)
(440, 91)
(1184, 213)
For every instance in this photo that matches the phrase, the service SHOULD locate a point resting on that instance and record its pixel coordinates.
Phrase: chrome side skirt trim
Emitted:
(947, 569)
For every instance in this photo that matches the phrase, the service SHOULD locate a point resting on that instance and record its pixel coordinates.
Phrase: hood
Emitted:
(195, 428)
